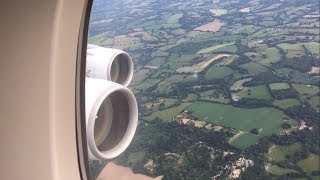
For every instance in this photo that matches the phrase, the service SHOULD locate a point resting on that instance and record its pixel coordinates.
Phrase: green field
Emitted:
(286, 103)
(315, 103)
(168, 102)
(217, 73)
(145, 84)
(266, 57)
(238, 84)
(247, 29)
(305, 90)
(267, 120)
(279, 86)
(218, 12)
(208, 96)
(190, 98)
(139, 76)
(309, 94)
(311, 163)
(168, 114)
(94, 39)
(157, 61)
(268, 23)
(226, 49)
(245, 140)
(254, 68)
(313, 47)
(296, 76)
(277, 170)
(175, 61)
(280, 153)
(165, 85)
(213, 48)
(292, 50)
(171, 26)
(174, 18)
(159, 54)
(259, 92)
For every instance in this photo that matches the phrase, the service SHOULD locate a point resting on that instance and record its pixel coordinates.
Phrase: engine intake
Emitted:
(112, 117)
(109, 64)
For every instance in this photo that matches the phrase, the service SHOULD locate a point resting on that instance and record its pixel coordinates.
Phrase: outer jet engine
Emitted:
(111, 108)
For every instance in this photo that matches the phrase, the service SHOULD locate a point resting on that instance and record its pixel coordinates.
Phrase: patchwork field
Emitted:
(309, 93)
(147, 83)
(217, 73)
(174, 18)
(190, 98)
(167, 114)
(164, 86)
(210, 49)
(192, 55)
(139, 76)
(259, 92)
(277, 170)
(267, 120)
(315, 103)
(266, 57)
(218, 12)
(280, 153)
(313, 47)
(279, 86)
(254, 68)
(208, 96)
(212, 27)
(245, 140)
(292, 50)
(202, 65)
(286, 103)
(296, 76)
(238, 84)
(306, 90)
(157, 62)
(310, 164)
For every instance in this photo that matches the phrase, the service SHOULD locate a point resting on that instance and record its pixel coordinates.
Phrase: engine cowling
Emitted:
(112, 117)
(109, 64)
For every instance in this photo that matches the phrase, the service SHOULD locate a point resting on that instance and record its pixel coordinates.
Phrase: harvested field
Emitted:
(245, 10)
(218, 12)
(200, 66)
(212, 27)
(238, 84)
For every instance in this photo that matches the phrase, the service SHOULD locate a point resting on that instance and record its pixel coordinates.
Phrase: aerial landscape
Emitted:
(226, 89)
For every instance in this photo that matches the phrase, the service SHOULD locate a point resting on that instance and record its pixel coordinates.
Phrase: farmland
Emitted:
(246, 71)
(286, 103)
(259, 92)
(267, 120)
(310, 164)
(279, 86)
(282, 153)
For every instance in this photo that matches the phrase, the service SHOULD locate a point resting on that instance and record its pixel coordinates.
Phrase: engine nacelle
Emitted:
(109, 64)
(112, 117)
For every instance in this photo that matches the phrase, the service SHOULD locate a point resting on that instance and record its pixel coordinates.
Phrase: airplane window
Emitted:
(203, 89)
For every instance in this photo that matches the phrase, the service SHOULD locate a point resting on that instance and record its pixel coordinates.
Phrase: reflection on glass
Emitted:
(103, 122)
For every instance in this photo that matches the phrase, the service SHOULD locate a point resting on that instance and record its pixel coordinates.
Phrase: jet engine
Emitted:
(109, 64)
(111, 108)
